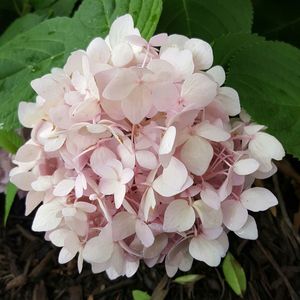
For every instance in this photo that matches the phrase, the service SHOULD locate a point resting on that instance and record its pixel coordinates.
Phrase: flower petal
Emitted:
(258, 199)
(179, 216)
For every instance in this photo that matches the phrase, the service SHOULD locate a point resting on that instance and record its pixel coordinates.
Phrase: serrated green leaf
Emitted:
(33, 53)
(234, 274)
(188, 279)
(267, 78)
(206, 19)
(227, 45)
(57, 8)
(140, 295)
(11, 191)
(10, 141)
(19, 26)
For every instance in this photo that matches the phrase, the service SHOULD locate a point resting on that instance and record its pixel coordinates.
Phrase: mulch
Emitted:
(29, 267)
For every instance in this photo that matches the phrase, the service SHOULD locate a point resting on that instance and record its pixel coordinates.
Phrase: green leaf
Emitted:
(206, 19)
(234, 274)
(140, 295)
(11, 191)
(188, 279)
(226, 46)
(10, 141)
(267, 78)
(19, 26)
(33, 53)
(57, 9)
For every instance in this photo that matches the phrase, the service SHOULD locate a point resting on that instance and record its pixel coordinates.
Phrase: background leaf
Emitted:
(267, 77)
(140, 295)
(188, 279)
(234, 274)
(226, 46)
(10, 141)
(206, 19)
(33, 53)
(19, 26)
(11, 191)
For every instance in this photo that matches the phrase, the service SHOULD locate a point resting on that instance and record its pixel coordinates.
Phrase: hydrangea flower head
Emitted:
(137, 153)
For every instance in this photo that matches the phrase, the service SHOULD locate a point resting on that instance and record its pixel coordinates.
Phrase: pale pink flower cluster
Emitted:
(133, 155)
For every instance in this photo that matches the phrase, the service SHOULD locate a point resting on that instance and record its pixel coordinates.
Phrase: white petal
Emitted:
(264, 147)
(249, 230)
(158, 246)
(202, 53)
(64, 187)
(33, 199)
(122, 55)
(57, 237)
(121, 85)
(230, 100)
(179, 216)
(207, 251)
(258, 199)
(212, 132)
(98, 51)
(196, 154)
(210, 218)
(199, 90)
(99, 249)
(46, 217)
(146, 159)
(182, 60)
(42, 184)
(121, 28)
(245, 166)
(167, 141)
(210, 198)
(172, 179)
(144, 233)
(218, 74)
(149, 202)
(29, 114)
(23, 180)
(100, 157)
(28, 153)
(123, 225)
(55, 143)
(234, 214)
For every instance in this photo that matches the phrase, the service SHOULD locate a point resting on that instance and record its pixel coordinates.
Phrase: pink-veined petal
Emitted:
(199, 90)
(196, 154)
(146, 159)
(144, 233)
(234, 214)
(210, 218)
(123, 225)
(179, 216)
(229, 100)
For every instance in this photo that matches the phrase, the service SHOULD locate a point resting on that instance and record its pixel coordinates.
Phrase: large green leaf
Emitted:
(11, 191)
(206, 19)
(10, 141)
(227, 45)
(19, 26)
(234, 274)
(267, 77)
(36, 51)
